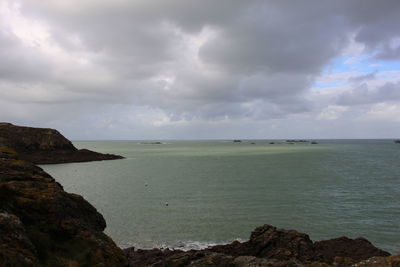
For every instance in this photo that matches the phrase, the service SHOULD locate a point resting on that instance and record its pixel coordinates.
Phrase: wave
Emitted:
(183, 245)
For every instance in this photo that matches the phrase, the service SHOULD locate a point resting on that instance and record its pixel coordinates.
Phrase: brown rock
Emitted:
(391, 261)
(146, 257)
(41, 224)
(250, 261)
(273, 243)
(45, 146)
(15, 247)
(200, 258)
(268, 246)
(357, 249)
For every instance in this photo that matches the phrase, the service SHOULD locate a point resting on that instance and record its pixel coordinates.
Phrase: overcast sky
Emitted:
(195, 69)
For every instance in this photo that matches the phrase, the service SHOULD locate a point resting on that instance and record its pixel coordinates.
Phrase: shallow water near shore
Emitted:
(219, 191)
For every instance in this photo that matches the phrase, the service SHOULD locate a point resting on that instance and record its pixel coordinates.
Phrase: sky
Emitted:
(202, 69)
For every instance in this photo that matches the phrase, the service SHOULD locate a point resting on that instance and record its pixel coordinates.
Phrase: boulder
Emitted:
(270, 242)
(357, 249)
(42, 225)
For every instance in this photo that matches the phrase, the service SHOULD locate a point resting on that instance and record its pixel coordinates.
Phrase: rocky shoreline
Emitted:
(42, 225)
(46, 146)
(269, 246)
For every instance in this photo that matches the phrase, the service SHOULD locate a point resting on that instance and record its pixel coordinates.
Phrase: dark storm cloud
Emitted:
(194, 59)
(389, 53)
(362, 78)
(278, 37)
(377, 21)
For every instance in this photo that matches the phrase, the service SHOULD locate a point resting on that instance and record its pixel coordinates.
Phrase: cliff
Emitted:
(45, 146)
(42, 225)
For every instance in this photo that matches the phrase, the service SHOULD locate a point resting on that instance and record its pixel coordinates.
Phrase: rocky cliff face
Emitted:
(42, 225)
(45, 146)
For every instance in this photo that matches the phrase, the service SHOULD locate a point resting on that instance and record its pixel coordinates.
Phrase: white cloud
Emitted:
(331, 112)
(156, 65)
(384, 112)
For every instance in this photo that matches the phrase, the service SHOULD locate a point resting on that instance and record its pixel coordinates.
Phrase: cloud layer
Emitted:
(201, 69)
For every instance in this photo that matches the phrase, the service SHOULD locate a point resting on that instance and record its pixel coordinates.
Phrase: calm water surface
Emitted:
(219, 191)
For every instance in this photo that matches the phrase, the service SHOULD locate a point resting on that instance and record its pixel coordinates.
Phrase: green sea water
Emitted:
(219, 191)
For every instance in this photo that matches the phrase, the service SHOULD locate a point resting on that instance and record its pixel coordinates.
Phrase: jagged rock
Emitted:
(249, 261)
(357, 249)
(199, 258)
(15, 247)
(41, 224)
(146, 257)
(267, 246)
(270, 242)
(45, 146)
(391, 261)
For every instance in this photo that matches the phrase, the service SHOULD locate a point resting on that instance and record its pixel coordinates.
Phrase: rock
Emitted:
(391, 261)
(45, 146)
(357, 249)
(198, 258)
(147, 257)
(273, 243)
(151, 143)
(249, 261)
(42, 225)
(267, 246)
(15, 247)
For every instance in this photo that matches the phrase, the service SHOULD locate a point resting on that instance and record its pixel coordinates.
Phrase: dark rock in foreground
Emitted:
(45, 146)
(358, 249)
(268, 246)
(42, 225)
(271, 242)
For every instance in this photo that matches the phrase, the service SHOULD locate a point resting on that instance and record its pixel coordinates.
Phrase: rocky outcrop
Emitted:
(45, 146)
(267, 246)
(391, 261)
(270, 242)
(193, 258)
(358, 249)
(42, 225)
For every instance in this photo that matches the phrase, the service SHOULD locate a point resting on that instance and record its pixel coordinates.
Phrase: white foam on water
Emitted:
(184, 245)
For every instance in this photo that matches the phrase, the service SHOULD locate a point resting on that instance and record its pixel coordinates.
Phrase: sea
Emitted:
(190, 194)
